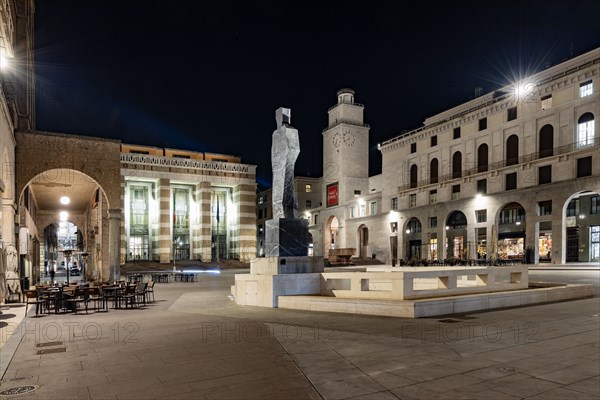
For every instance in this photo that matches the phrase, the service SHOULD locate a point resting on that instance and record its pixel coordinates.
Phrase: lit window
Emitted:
(308, 188)
(394, 203)
(585, 130)
(412, 200)
(546, 102)
(586, 88)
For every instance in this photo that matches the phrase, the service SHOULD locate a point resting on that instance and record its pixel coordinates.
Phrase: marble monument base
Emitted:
(271, 277)
(286, 237)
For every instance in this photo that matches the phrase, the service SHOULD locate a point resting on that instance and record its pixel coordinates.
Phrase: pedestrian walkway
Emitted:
(196, 343)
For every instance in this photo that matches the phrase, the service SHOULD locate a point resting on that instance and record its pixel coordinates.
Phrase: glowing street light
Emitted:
(3, 62)
(65, 200)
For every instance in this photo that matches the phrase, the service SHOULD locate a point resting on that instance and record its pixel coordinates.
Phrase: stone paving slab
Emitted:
(195, 343)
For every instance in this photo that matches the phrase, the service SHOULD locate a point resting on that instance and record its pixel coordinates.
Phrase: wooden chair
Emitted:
(31, 297)
(150, 290)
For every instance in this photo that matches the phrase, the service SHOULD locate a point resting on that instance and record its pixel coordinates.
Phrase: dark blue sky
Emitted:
(208, 76)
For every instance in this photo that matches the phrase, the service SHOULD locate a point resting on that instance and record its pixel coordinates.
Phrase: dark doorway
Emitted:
(573, 244)
(414, 249)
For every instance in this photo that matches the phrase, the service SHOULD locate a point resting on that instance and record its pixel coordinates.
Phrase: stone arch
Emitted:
(362, 241)
(89, 211)
(412, 238)
(546, 141)
(456, 235)
(331, 234)
(512, 150)
(581, 227)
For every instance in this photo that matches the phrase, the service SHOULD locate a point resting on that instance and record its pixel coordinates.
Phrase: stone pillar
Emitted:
(114, 238)
(205, 236)
(245, 200)
(165, 241)
(559, 241)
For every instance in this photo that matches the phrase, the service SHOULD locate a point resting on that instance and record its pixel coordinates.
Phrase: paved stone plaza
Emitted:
(194, 342)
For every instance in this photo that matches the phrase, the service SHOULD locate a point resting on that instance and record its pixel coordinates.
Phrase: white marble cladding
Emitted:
(131, 158)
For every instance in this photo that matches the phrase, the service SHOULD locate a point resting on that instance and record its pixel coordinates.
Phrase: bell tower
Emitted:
(345, 151)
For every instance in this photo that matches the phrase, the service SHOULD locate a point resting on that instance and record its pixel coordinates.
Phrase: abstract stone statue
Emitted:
(284, 152)
(286, 235)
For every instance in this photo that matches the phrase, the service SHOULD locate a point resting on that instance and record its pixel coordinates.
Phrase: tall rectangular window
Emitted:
(434, 141)
(511, 181)
(455, 192)
(352, 212)
(511, 114)
(545, 174)
(412, 200)
(432, 196)
(308, 204)
(394, 203)
(316, 217)
(573, 208)
(545, 207)
(584, 167)
(456, 133)
(260, 213)
(546, 102)
(482, 186)
(586, 88)
(433, 222)
(373, 208)
(413, 148)
(482, 124)
(585, 130)
(595, 208)
(481, 215)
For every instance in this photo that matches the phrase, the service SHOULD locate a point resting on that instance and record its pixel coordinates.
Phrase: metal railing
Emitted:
(482, 169)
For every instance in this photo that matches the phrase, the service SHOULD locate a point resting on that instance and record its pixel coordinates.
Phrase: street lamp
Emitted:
(67, 254)
(84, 255)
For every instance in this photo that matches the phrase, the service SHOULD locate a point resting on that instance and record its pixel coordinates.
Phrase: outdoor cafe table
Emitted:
(113, 292)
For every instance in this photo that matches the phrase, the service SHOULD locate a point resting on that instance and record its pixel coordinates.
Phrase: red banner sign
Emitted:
(332, 194)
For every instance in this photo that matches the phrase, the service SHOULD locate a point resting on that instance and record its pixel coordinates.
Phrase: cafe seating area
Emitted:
(76, 298)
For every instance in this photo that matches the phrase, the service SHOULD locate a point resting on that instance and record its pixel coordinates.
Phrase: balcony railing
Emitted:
(556, 151)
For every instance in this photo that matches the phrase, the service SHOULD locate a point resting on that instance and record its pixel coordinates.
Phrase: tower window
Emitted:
(456, 133)
(413, 148)
(546, 102)
(434, 141)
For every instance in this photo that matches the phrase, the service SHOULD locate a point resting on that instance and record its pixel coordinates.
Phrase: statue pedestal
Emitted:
(285, 237)
(271, 277)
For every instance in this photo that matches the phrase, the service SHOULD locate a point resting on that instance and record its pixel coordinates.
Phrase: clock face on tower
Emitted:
(337, 139)
(348, 138)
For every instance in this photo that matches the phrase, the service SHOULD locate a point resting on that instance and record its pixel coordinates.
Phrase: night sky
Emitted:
(208, 76)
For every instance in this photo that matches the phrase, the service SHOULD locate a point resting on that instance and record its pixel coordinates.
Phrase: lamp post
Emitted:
(85, 256)
(67, 254)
